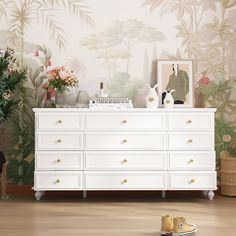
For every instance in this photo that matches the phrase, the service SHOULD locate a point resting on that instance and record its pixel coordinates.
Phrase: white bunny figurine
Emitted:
(169, 100)
(152, 98)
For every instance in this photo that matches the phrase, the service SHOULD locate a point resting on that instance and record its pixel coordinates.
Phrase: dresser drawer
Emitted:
(124, 141)
(125, 180)
(59, 140)
(58, 180)
(129, 160)
(197, 160)
(60, 160)
(192, 180)
(124, 121)
(190, 141)
(59, 121)
(190, 121)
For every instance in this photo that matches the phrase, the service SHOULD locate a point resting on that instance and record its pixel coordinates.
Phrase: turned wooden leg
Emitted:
(39, 194)
(84, 194)
(210, 195)
(163, 194)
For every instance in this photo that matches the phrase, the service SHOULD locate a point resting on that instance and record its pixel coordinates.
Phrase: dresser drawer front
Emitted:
(143, 160)
(58, 180)
(60, 160)
(190, 141)
(125, 141)
(59, 121)
(190, 121)
(198, 160)
(192, 180)
(124, 121)
(59, 140)
(125, 180)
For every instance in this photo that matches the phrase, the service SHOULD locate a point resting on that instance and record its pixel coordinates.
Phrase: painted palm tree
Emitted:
(196, 35)
(20, 14)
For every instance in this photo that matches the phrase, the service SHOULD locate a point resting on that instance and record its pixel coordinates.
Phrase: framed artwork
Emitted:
(176, 75)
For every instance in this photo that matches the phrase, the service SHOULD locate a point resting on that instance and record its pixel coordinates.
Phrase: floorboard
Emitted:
(69, 215)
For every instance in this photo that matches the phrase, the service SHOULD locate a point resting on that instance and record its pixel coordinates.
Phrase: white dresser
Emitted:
(131, 149)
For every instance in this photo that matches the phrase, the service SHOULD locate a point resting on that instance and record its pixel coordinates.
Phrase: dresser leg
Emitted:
(205, 192)
(163, 194)
(84, 194)
(210, 195)
(38, 195)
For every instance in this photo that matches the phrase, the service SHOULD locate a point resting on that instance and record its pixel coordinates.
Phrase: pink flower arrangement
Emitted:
(60, 79)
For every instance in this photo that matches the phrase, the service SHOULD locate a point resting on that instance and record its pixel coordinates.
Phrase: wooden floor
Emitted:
(114, 216)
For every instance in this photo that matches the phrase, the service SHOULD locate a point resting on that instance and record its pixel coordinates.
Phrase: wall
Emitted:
(118, 42)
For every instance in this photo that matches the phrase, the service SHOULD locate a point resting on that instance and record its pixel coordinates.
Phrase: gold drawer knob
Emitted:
(58, 181)
(189, 121)
(58, 160)
(59, 121)
(125, 141)
(192, 181)
(124, 161)
(190, 141)
(124, 121)
(125, 181)
(59, 140)
(190, 161)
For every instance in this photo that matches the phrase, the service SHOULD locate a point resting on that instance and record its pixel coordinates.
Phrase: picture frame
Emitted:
(178, 75)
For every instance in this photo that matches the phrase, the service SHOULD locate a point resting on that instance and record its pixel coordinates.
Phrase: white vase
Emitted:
(169, 100)
(66, 98)
(82, 100)
(152, 98)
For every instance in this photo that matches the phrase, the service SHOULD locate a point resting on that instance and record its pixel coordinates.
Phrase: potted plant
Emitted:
(11, 80)
(228, 166)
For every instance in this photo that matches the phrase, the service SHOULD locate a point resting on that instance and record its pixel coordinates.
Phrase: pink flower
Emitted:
(52, 91)
(49, 63)
(204, 81)
(63, 74)
(53, 73)
(226, 138)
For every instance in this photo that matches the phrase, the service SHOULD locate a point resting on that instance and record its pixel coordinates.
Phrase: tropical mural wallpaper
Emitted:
(118, 43)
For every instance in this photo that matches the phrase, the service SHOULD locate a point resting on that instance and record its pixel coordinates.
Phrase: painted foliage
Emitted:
(118, 42)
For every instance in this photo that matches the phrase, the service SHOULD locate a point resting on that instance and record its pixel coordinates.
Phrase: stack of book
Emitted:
(110, 102)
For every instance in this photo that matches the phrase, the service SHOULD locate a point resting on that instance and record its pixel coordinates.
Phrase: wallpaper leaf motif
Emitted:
(3, 6)
(75, 7)
(221, 30)
(21, 14)
(49, 19)
(182, 7)
(228, 3)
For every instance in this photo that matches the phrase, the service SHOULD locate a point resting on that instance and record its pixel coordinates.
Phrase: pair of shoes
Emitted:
(176, 226)
(5, 197)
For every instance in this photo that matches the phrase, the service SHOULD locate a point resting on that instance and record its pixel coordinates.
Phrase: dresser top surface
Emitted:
(143, 110)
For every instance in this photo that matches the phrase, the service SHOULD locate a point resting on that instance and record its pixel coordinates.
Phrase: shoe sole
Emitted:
(165, 233)
(186, 233)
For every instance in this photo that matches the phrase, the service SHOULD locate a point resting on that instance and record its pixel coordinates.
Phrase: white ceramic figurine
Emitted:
(169, 100)
(152, 98)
